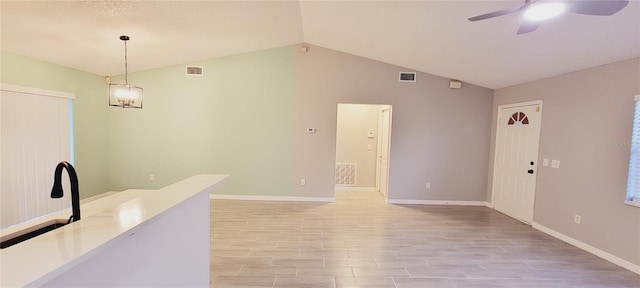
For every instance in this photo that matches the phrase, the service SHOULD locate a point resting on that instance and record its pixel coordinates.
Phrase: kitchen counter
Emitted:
(131, 238)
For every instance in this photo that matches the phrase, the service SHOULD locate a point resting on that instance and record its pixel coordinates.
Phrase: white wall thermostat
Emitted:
(311, 130)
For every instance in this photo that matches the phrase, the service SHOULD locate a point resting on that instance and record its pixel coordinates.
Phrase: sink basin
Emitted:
(28, 233)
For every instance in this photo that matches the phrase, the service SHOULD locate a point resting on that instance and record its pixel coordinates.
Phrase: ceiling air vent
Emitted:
(194, 70)
(407, 77)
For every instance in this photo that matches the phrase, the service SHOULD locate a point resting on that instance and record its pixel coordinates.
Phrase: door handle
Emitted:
(530, 171)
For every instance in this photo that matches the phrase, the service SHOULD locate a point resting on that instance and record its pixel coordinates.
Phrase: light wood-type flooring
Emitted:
(360, 241)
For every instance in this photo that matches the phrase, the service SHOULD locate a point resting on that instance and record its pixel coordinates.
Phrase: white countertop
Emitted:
(104, 221)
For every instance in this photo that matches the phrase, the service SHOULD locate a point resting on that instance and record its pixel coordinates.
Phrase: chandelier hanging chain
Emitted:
(126, 64)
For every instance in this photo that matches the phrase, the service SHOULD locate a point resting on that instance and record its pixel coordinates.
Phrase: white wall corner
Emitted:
(586, 247)
(271, 198)
(437, 202)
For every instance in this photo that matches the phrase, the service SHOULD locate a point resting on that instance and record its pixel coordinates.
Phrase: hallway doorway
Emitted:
(363, 138)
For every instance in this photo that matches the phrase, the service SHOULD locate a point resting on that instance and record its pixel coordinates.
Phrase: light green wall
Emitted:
(235, 119)
(90, 112)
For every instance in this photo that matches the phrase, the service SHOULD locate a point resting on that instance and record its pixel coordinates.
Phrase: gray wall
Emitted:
(438, 135)
(586, 124)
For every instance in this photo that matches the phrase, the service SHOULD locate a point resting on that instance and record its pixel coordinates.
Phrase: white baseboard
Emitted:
(438, 202)
(271, 198)
(357, 189)
(586, 247)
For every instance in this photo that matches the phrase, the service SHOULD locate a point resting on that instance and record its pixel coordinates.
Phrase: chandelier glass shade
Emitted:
(125, 95)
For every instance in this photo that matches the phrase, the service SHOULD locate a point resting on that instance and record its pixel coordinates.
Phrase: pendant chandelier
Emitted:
(125, 95)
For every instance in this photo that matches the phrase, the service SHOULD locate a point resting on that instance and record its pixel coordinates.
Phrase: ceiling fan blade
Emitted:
(496, 13)
(528, 26)
(598, 8)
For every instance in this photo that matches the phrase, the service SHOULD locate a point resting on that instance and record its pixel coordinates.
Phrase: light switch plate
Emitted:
(545, 162)
(555, 164)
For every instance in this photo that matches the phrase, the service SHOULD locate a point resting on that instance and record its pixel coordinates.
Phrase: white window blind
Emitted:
(633, 181)
(35, 135)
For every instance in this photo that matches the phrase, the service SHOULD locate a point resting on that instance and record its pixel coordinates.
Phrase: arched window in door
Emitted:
(518, 118)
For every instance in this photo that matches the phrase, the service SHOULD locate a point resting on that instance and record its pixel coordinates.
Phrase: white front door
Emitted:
(516, 159)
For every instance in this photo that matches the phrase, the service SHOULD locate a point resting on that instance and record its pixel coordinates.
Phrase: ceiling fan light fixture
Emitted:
(543, 11)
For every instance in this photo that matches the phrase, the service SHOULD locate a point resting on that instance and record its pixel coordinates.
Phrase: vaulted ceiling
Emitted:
(427, 36)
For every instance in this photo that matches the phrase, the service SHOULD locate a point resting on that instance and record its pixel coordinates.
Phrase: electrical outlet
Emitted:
(152, 177)
(303, 182)
(555, 164)
(577, 219)
(428, 186)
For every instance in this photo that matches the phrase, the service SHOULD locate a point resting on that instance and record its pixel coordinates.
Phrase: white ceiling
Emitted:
(428, 36)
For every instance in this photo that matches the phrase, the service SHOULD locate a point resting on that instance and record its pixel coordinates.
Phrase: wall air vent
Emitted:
(407, 77)
(194, 70)
(346, 174)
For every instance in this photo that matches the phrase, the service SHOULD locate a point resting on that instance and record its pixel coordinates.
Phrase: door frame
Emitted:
(379, 148)
(381, 107)
(495, 150)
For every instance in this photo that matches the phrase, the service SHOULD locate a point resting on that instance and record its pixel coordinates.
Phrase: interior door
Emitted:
(516, 159)
(383, 155)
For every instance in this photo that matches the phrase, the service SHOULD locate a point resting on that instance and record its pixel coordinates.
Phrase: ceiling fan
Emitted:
(536, 11)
